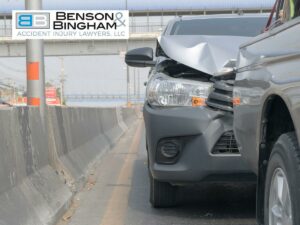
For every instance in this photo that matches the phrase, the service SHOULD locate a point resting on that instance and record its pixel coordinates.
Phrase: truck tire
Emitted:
(162, 194)
(282, 186)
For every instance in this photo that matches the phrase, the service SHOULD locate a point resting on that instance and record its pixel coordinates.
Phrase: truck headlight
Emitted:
(166, 91)
(247, 96)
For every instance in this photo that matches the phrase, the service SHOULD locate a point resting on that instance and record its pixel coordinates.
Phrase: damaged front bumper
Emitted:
(204, 140)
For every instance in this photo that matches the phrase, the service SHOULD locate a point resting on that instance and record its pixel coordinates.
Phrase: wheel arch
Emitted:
(276, 119)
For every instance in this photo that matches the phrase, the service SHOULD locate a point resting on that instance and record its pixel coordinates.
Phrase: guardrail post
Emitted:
(148, 22)
(162, 20)
(5, 27)
(35, 66)
(127, 67)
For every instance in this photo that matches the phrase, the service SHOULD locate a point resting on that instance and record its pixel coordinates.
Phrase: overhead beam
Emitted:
(15, 48)
(183, 12)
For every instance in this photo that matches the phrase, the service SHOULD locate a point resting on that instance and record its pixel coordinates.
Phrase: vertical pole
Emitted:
(35, 66)
(11, 90)
(5, 27)
(14, 92)
(162, 19)
(139, 85)
(62, 81)
(127, 67)
(148, 22)
(133, 26)
(135, 82)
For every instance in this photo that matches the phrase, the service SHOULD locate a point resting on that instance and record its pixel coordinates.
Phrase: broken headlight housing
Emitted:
(167, 91)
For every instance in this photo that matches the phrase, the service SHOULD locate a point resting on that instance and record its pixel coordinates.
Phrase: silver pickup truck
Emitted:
(187, 142)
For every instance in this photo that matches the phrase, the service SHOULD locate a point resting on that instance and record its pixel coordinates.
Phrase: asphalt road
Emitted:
(117, 193)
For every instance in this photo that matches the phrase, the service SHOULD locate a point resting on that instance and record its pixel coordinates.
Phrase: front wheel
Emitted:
(162, 194)
(282, 189)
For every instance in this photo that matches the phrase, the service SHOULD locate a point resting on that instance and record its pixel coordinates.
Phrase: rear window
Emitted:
(247, 27)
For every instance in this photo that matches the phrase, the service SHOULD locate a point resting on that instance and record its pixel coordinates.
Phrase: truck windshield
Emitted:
(246, 26)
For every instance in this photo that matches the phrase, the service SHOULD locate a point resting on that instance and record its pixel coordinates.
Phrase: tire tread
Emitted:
(287, 149)
(162, 194)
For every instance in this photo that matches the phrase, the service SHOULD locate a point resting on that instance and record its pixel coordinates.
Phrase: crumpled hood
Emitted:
(207, 54)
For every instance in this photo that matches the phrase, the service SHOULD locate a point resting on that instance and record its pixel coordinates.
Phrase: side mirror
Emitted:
(140, 57)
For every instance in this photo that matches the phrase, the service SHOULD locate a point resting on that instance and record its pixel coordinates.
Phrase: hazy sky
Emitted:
(85, 74)
(102, 74)
(8, 5)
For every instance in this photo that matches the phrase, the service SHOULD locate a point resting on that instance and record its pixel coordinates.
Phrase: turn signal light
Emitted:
(197, 101)
(236, 101)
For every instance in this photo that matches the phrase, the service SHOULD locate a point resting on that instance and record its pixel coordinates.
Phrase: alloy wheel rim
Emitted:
(280, 206)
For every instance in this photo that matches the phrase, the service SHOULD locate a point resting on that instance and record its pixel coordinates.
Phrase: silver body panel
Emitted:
(268, 65)
(207, 54)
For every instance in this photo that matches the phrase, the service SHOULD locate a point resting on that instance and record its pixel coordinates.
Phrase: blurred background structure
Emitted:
(93, 73)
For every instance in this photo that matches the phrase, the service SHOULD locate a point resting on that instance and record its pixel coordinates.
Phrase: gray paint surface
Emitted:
(199, 129)
(268, 66)
(208, 54)
(207, 50)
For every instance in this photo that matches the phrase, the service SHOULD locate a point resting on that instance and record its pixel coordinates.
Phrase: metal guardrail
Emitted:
(5, 32)
(133, 97)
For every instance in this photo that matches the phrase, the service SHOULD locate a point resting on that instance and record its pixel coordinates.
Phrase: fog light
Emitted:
(169, 149)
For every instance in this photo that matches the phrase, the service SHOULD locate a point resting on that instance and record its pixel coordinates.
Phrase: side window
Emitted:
(279, 10)
(277, 15)
(297, 8)
(282, 12)
(287, 10)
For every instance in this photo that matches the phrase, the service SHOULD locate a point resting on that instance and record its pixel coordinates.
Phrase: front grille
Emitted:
(221, 96)
(226, 145)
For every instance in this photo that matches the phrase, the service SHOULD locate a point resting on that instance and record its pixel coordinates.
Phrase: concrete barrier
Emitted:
(112, 130)
(80, 138)
(30, 190)
(130, 115)
(43, 163)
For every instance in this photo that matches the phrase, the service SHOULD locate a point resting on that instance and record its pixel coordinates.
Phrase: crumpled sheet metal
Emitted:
(207, 54)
